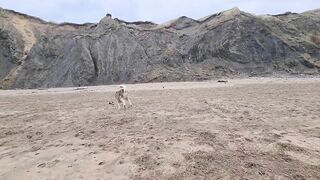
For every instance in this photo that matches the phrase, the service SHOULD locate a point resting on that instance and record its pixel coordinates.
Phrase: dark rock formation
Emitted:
(35, 53)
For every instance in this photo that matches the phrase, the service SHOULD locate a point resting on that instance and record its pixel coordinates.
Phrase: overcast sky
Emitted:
(159, 11)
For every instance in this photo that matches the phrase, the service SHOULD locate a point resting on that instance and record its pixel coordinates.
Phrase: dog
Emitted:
(122, 96)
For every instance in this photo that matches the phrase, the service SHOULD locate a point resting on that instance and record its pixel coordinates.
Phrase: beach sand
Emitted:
(256, 128)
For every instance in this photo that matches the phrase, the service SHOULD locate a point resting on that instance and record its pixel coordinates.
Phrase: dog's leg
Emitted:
(119, 107)
(123, 103)
(130, 103)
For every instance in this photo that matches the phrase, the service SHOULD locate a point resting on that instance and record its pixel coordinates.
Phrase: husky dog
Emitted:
(122, 96)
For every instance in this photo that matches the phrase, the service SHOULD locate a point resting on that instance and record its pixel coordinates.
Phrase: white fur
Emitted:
(122, 96)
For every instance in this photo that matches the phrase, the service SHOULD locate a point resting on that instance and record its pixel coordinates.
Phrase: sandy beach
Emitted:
(257, 128)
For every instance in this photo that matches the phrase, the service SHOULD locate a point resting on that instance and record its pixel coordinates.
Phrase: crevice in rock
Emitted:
(95, 64)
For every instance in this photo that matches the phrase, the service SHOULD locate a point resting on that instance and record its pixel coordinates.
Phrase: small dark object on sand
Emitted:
(222, 81)
(80, 88)
(111, 103)
(101, 163)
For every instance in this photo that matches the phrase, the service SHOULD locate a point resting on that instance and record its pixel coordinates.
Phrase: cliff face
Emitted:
(34, 53)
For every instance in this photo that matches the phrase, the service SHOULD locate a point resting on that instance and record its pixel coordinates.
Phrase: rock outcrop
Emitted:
(35, 53)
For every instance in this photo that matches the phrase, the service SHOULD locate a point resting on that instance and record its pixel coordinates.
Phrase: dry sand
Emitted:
(259, 128)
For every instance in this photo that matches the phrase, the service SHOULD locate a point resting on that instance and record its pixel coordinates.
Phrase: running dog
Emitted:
(122, 96)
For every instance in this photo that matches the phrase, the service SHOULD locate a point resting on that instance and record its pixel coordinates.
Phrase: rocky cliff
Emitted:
(35, 53)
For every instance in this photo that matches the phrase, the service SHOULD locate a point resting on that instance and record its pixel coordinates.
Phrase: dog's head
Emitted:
(123, 88)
